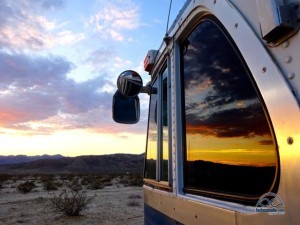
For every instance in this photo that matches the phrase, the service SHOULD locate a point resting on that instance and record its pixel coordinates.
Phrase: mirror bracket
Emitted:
(146, 89)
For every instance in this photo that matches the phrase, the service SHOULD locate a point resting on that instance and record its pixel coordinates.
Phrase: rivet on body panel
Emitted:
(288, 59)
(291, 75)
(290, 140)
(285, 44)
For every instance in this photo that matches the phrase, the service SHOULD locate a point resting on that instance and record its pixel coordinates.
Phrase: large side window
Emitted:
(229, 148)
(157, 154)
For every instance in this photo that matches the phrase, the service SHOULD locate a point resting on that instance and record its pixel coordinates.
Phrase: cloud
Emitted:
(100, 59)
(37, 97)
(67, 37)
(28, 86)
(20, 25)
(104, 60)
(35, 88)
(114, 18)
(220, 98)
(36, 94)
(23, 26)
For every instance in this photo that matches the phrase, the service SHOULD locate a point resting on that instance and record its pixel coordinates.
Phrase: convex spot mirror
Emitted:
(129, 83)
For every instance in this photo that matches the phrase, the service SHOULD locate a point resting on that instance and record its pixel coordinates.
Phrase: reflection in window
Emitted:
(229, 146)
(151, 153)
(165, 131)
(158, 133)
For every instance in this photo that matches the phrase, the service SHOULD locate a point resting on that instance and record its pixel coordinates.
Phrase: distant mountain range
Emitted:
(115, 163)
(13, 159)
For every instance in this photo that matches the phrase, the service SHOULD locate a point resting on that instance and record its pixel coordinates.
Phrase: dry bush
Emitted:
(50, 185)
(134, 196)
(3, 179)
(49, 182)
(70, 202)
(95, 182)
(26, 187)
(75, 184)
(133, 202)
(133, 179)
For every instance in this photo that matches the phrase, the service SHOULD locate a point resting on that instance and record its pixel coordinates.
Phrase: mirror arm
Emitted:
(146, 89)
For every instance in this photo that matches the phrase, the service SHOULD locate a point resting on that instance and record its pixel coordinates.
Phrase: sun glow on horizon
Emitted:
(231, 151)
(71, 143)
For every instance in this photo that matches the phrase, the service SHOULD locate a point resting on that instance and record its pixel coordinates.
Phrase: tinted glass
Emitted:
(229, 146)
(165, 130)
(151, 153)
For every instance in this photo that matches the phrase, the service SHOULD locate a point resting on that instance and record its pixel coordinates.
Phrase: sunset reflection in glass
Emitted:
(225, 122)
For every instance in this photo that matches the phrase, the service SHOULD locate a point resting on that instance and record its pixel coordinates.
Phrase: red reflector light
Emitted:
(150, 60)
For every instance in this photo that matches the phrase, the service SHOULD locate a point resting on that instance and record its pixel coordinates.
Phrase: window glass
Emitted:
(165, 129)
(157, 155)
(229, 145)
(151, 152)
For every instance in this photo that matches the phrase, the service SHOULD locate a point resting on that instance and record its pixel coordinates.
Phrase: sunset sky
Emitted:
(59, 61)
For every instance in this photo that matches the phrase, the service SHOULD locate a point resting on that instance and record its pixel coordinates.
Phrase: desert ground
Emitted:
(113, 202)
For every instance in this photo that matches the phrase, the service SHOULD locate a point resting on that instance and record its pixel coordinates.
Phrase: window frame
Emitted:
(158, 183)
(210, 193)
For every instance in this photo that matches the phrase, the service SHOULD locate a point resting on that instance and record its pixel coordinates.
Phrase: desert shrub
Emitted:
(26, 187)
(133, 202)
(3, 178)
(107, 179)
(49, 182)
(134, 179)
(96, 184)
(70, 202)
(50, 185)
(134, 196)
(75, 184)
(85, 180)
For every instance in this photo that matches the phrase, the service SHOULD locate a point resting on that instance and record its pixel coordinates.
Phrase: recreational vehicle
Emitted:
(223, 138)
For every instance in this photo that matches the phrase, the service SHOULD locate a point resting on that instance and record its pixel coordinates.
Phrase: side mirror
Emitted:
(125, 110)
(129, 83)
(126, 103)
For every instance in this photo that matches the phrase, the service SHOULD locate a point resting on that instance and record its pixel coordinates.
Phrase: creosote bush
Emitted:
(26, 187)
(70, 202)
(49, 183)
(132, 179)
(134, 200)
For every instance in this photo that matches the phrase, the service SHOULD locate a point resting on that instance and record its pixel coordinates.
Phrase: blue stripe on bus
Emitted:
(155, 217)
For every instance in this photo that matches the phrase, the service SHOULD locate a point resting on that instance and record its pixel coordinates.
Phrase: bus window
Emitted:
(229, 146)
(151, 153)
(157, 154)
(165, 130)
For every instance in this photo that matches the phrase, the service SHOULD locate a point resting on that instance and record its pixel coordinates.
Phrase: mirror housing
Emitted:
(129, 83)
(125, 110)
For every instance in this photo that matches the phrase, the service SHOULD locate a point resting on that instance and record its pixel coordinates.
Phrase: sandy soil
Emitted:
(109, 207)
